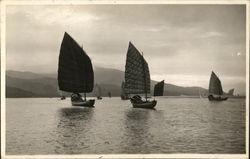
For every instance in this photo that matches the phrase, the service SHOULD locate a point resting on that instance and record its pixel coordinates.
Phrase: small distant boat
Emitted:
(231, 92)
(98, 91)
(75, 72)
(137, 78)
(124, 95)
(215, 89)
(159, 88)
(63, 97)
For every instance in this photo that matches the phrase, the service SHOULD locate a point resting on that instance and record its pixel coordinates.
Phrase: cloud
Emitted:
(53, 14)
(211, 34)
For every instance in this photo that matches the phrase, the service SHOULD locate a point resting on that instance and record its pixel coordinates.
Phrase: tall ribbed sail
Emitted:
(159, 88)
(137, 77)
(75, 72)
(231, 92)
(215, 85)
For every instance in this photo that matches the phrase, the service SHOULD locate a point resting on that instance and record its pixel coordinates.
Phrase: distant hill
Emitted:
(42, 87)
(108, 76)
(27, 75)
(18, 93)
(45, 85)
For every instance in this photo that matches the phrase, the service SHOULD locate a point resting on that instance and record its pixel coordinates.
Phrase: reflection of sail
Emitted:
(71, 122)
(137, 131)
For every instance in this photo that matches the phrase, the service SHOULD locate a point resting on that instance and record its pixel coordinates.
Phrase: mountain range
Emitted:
(29, 84)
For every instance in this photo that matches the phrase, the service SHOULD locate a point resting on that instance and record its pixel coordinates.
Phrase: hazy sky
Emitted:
(181, 43)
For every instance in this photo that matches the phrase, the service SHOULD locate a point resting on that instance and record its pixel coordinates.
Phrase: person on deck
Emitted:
(76, 97)
(136, 99)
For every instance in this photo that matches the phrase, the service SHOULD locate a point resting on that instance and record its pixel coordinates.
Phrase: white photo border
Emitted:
(5, 3)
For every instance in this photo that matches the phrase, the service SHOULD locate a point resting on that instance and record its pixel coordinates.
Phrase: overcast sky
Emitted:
(181, 43)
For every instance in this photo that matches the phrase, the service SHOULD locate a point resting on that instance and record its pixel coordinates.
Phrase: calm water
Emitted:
(177, 125)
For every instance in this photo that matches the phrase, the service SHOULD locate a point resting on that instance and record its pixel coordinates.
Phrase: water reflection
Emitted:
(73, 130)
(137, 135)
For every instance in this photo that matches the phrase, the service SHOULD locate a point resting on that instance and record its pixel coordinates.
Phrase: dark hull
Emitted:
(145, 104)
(88, 103)
(212, 98)
(99, 98)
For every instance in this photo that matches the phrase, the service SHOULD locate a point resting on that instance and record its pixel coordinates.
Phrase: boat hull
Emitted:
(146, 104)
(99, 98)
(88, 103)
(212, 98)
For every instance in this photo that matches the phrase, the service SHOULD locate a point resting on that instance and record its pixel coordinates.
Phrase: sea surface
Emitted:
(42, 126)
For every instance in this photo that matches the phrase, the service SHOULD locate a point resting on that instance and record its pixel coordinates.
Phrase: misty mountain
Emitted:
(115, 77)
(108, 76)
(28, 75)
(45, 85)
(40, 87)
(16, 92)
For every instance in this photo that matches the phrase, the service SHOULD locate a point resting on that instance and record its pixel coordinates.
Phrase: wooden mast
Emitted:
(145, 80)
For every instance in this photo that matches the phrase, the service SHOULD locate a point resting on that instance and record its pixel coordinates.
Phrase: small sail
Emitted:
(231, 92)
(200, 93)
(137, 77)
(75, 72)
(98, 90)
(215, 85)
(159, 88)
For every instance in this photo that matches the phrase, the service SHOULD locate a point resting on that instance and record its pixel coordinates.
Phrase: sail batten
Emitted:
(159, 88)
(75, 72)
(215, 86)
(137, 77)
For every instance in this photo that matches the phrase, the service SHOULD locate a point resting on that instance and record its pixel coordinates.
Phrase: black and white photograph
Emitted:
(122, 79)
